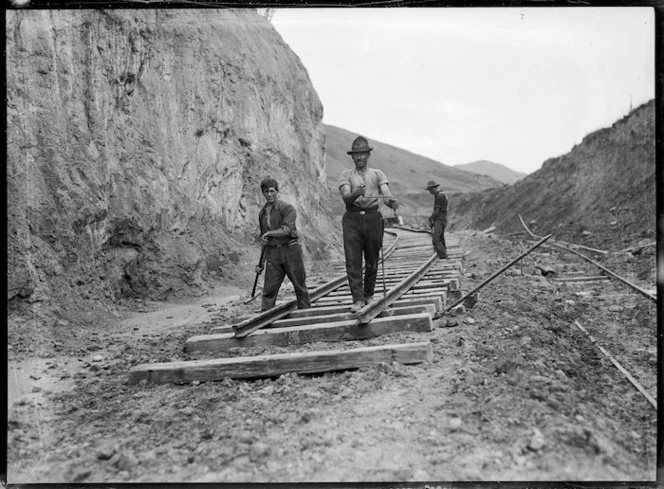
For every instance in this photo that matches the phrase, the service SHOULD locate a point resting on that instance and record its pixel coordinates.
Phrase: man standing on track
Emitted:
(438, 219)
(362, 189)
(283, 253)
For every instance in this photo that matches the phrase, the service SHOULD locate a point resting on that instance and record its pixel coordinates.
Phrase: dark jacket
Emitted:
(439, 207)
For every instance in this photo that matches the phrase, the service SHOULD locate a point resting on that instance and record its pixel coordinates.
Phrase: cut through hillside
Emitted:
(601, 194)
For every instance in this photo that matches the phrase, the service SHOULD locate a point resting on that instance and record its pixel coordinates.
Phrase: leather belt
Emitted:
(291, 242)
(361, 211)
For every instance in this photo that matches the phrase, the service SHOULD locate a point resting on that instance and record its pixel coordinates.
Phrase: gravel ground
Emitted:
(516, 391)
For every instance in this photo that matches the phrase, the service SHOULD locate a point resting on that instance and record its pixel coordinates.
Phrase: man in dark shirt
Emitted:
(283, 254)
(438, 219)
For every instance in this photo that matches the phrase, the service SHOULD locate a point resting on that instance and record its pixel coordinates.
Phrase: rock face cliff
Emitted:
(601, 193)
(137, 141)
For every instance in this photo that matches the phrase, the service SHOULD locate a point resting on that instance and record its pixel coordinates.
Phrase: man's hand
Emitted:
(359, 191)
(393, 203)
(259, 270)
(266, 236)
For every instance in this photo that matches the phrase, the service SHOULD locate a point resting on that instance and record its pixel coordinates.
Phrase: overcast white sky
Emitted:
(512, 85)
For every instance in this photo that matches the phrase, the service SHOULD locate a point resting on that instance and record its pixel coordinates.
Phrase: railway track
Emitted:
(596, 285)
(413, 289)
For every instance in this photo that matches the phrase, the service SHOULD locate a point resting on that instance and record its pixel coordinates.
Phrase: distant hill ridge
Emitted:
(408, 173)
(495, 170)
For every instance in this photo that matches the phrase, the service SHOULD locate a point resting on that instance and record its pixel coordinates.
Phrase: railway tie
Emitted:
(419, 286)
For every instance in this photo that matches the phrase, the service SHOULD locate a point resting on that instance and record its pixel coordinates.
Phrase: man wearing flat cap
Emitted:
(438, 219)
(363, 189)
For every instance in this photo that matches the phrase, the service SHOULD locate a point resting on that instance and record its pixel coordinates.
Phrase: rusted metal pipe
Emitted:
(497, 273)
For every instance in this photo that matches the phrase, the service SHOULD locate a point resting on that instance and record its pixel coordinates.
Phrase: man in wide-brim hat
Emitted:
(438, 219)
(362, 189)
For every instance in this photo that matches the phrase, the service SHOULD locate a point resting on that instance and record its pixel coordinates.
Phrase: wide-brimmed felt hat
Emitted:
(360, 145)
(431, 185)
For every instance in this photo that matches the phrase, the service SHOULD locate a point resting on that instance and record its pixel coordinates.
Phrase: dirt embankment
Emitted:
(515, 392)
(601, 194)
(136, 143)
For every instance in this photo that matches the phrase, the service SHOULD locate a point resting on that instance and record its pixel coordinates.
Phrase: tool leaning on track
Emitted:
(258, 274)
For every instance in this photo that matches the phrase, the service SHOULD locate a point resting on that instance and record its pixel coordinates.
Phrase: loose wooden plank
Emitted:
(300, 317)
(346, 307)
(349, 316)
(298, 335)
(275, 365)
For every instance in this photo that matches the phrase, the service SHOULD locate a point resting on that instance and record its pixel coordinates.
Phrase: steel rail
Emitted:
(370, 311)
(463, 298)
(553, 242)
(252, 324)
(629, 377)
(604, 269)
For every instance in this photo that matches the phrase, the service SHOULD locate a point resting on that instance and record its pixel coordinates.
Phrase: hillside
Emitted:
(601, 193)
(408, 172)
(495, 170)
(136, 144)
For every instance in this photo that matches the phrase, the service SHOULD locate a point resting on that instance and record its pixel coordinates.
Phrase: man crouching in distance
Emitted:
(362, 189)
(283, 254)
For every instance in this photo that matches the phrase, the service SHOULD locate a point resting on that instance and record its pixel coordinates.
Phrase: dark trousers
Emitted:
(438, 237)
(363, 236)
(280, 262)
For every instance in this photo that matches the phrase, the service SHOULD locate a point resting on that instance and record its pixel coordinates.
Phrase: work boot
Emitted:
(370, 299)
(357, 306)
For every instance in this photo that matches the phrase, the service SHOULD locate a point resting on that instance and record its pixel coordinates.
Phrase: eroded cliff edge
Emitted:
(136, 144)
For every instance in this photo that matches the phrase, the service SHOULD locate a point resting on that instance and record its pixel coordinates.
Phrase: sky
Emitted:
(515, 86)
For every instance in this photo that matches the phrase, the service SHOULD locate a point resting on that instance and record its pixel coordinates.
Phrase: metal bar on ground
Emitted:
(610, 273)
(605, 270)
(370, 311)
(497, 273)
(553, 243)
(629, 377)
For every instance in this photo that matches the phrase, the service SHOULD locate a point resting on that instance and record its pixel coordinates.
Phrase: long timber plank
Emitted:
(275, 365)
(436, 301)
(299, 335)
(349, 316)
(342, 313)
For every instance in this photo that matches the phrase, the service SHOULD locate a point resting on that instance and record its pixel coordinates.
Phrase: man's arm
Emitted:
(348, 196)
(345, 188)
(391, 202)
(287, 228)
